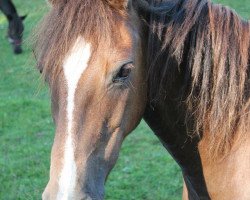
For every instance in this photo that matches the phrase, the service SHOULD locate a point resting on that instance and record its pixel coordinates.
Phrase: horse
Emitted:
(181, 65)
(16, 27)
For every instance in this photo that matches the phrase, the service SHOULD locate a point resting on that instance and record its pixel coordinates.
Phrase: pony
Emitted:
(16, 27)
(181, 65)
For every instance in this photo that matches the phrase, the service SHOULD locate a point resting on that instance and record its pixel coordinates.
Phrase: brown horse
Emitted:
(182, 65)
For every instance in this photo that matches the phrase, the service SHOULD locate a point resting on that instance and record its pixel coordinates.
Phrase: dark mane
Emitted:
(66, 21)
(208, 45)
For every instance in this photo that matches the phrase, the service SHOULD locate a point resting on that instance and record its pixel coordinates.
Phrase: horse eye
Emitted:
(123, 73)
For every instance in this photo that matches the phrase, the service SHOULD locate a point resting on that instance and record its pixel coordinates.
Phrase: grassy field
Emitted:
(144, 169)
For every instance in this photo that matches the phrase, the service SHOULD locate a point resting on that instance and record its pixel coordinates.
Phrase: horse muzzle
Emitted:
(16, 45)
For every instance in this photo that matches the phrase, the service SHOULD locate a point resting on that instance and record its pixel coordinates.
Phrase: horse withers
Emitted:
(16, 27)
(182, 65)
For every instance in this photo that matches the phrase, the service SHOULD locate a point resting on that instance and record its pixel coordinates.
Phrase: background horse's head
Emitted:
(90, 53)
(15, 32)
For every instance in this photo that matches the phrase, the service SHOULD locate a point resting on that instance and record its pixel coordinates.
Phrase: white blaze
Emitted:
(73, 67)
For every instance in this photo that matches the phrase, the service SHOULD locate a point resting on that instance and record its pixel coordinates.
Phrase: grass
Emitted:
(144, 169)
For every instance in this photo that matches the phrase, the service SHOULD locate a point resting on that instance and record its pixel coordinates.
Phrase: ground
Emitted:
(144, 170)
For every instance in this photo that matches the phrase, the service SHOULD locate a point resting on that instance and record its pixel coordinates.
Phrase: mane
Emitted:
(94, 20)
(208, 46)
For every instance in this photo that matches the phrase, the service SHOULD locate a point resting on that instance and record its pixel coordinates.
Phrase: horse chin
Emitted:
(90, 196)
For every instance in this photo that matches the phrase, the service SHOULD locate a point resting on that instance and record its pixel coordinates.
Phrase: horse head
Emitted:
(90, 53)
(15, 32)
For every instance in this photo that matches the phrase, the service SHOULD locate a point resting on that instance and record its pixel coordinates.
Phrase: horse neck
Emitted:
(8, 9)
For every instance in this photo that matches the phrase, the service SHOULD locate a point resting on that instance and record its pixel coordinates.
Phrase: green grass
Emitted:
(144, 169)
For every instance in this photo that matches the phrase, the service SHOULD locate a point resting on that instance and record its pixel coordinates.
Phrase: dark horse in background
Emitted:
(182, 65)
(16, 27)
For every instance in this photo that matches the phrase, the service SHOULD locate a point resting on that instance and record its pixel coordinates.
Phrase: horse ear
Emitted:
(118, 4)
(23, 17)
